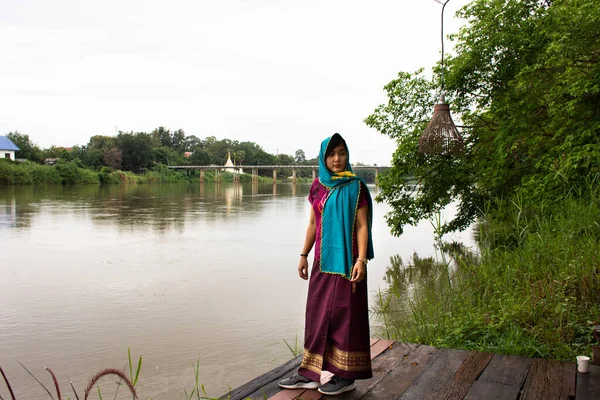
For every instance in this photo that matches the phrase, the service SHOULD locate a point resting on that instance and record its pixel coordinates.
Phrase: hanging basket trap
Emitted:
(441, 135)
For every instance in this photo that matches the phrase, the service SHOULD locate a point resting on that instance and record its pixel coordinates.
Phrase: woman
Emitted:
(336, 335)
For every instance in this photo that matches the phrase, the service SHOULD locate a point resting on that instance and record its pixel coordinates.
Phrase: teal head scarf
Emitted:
(339, 214)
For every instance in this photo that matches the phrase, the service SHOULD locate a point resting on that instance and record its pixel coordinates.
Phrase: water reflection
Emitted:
(146, 207)
(417, 281)
(8, 215)
(416, 275)
(172, 271)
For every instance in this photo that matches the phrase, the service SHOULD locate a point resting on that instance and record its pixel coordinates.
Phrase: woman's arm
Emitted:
(359, 272)
(309, 241)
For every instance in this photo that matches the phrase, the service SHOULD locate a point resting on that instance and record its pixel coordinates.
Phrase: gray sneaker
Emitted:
(297, 381)
(337, 385)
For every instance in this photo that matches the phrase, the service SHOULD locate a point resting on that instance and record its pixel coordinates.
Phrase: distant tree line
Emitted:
(139, 151)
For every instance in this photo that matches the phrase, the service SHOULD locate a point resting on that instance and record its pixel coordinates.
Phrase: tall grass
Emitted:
(198, 392)
(533, 290)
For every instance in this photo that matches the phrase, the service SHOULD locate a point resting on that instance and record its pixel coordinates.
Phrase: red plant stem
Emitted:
(105, 372)
(55, 383)
(12, 395)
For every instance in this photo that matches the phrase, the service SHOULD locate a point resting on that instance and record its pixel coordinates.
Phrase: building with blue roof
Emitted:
(7, 148)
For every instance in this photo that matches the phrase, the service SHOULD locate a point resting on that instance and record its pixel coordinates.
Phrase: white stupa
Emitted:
(229, 167)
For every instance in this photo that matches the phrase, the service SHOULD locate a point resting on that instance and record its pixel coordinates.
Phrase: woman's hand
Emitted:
(359, 272)
(303, 268)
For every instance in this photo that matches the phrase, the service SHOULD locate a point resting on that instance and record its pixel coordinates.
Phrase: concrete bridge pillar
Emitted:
(254, 175)
(314, 176)
(201, 176)
(274, 176)
(293, 176)
(236, 177)
(376, 177)
(217, 176)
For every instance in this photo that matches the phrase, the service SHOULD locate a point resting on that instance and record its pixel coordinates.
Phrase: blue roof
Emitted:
(7, 144)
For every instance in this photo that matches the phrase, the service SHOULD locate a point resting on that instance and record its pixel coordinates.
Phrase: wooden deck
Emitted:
(415, 372)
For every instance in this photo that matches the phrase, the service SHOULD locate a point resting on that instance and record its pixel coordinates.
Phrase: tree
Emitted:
(299, 156)
(200, 157)
(218, 150)
(28, 149)
(191, 142)
(101, 142)
(113, 158)
(178, 141)
(525, 83)
(238, 157)
(136, 150)
(161, 136)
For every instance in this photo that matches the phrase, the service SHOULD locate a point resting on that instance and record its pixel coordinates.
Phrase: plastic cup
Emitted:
(583, 363)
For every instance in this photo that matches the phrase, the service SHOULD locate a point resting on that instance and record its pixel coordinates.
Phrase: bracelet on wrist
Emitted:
(304, 255)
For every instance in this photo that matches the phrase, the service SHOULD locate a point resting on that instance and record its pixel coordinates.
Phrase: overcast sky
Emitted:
(283, 74)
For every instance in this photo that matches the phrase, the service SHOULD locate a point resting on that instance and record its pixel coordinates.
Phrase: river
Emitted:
(174, 272)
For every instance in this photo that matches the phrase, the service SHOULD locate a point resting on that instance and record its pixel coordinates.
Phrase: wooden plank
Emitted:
(373, 341)
(502, 379)
(588, 385)
(401, 377)
(268, 390)
(380, 347)
(377, 347)
(312, 394)
(549, 380)
(381, 366)
(265, 384)
(507, 370)
(466, 375)
(492, 391)
(432, 383)
(288, 394)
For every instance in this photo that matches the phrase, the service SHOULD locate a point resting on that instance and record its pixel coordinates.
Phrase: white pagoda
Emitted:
(229, 167)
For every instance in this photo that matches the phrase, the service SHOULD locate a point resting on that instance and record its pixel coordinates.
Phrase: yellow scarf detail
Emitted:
(342, 175)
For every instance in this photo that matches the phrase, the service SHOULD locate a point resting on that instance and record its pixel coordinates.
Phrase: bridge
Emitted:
(254, 168)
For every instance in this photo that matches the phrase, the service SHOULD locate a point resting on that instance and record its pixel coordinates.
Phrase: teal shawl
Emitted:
(339, 215)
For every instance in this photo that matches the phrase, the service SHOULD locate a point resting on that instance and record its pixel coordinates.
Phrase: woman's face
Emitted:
(338, 158)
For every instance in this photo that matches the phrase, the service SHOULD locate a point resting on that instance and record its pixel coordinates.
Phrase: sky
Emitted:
(282, 74)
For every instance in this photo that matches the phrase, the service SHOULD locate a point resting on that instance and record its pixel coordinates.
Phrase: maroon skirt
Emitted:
(336, 337)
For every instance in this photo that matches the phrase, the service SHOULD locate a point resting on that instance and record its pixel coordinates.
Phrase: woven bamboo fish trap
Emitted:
(441, 135)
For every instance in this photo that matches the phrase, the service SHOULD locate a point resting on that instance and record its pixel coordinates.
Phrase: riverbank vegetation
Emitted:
(525, 85)
(72, 172)
(531, 289)
(139, 151)
(143, 157)
(99, 384)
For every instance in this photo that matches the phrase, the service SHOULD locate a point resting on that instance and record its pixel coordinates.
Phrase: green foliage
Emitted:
(299, 156)
(133, 378)
(106, 177)
(525, 82)
(67, 171)
(136, 150)
(28, 150)
(200, 156)
(161, 174)
(297, 347)
(532, 291)
(112, 160)
(42, 174)
(27, 173)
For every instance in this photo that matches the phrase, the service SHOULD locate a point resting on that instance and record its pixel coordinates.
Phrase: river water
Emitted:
(174, 272)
